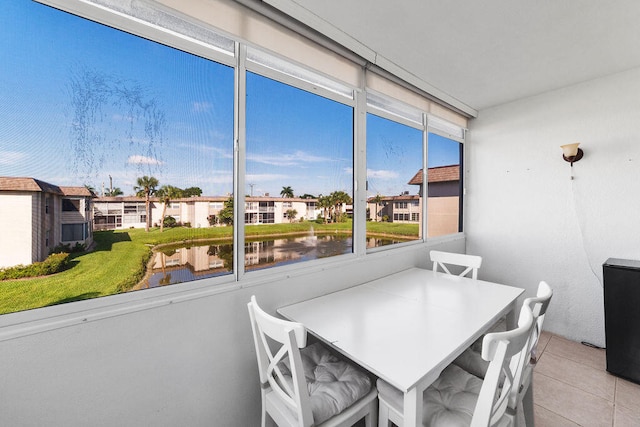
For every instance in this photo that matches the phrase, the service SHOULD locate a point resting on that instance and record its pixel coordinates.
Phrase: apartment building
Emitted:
(111, 213)
(37, 216)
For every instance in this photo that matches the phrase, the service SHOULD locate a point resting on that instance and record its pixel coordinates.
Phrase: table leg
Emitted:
(413, 408)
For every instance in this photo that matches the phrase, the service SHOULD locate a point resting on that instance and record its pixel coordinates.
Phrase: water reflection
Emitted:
(183, 264)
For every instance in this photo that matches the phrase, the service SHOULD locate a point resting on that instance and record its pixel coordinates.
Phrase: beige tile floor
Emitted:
(572, 388)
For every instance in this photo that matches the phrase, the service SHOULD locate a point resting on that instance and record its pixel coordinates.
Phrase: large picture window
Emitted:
(394, 182)
(299, 174)
(146, 128)
(162, 153)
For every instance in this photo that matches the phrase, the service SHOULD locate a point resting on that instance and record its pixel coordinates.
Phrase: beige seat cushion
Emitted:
(449, 401)
(333, 384)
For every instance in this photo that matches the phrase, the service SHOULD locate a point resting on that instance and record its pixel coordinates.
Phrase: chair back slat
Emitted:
(523, 365)
(278, 341)
(442, 259)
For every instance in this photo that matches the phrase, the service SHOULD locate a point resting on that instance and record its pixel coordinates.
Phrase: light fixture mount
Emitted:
(571, 153)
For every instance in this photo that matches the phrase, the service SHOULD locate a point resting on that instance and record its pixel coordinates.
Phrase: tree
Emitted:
(307, 196)
(146, 188)
(339, 198)
(113, 192)
(192, 192)
(377, 199)
(226, 213)
(166, 193)
(291, 214)
(325, 203)
(287, 192)
(91, 189)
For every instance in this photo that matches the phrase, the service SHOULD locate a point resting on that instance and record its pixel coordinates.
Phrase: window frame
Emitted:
(113, 305)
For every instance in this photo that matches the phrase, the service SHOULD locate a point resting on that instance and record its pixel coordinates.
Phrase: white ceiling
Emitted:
(484, 53)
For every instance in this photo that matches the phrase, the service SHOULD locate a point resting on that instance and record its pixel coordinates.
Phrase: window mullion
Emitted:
(360, 169)
(425, 178)
(239, 159)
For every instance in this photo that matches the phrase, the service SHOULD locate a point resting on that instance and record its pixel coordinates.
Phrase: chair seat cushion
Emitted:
(333, 384)
(499, 326)
(472, 362)
(471, 359)
(449, 401)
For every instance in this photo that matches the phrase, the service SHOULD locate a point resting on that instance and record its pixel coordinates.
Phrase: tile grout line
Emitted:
(612, 402)
(555, 413)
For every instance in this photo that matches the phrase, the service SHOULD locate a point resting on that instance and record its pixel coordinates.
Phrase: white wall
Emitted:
(189, 363)
(16, 229)
(526, 217)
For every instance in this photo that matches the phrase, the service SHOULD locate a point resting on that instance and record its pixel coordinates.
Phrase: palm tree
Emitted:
(113, 192)
(166, 193)
(145, 188)
(287, 192)
(339, 198)
(91, 189)
(325, 203)
(377, 199)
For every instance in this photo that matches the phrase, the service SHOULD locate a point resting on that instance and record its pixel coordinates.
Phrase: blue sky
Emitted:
(43, 50)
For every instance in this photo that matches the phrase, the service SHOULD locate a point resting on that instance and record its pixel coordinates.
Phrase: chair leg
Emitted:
(371, 419)
(383, 415)
(527, 405)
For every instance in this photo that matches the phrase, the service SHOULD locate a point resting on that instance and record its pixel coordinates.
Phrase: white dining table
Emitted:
(408, 326)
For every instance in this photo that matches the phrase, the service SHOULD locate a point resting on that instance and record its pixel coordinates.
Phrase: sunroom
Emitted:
(347, 111)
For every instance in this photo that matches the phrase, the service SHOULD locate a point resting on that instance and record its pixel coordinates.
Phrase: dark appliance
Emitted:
(622, 317)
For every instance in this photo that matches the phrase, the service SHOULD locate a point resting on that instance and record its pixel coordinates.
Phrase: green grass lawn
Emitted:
(119, 259)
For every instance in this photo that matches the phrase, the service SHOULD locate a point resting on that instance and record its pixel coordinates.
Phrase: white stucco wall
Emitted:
(16, 229)
(531, 222)
(173, 358)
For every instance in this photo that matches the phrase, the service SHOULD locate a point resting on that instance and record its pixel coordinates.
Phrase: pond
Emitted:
(177, 264)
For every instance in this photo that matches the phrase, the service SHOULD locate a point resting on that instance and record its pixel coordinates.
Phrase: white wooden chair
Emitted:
(472, 361)
(529, 358)
(471, 262)
(290, 394)
(458, 398)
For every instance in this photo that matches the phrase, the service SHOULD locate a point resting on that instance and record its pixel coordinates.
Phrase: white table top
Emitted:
(406, 327)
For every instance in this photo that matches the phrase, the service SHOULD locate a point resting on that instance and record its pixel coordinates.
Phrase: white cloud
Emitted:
(121, 118)
(203, 148)
(294, 159)
(201, 107)
(143, 160)
(381, 174)
(11, 157)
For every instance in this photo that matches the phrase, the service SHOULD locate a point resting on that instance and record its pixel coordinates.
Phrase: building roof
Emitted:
(77, 191)
(399, 198)
(438, 174)
(9, 183)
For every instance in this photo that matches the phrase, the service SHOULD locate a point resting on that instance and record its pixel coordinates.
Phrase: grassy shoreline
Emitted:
(119, 258)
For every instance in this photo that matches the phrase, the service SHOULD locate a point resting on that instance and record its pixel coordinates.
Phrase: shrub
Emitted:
(169, 221)
(62, 248)
(137, 275)
(53, 264)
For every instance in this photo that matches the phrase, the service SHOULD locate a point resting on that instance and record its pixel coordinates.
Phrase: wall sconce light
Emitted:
(571, 153)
